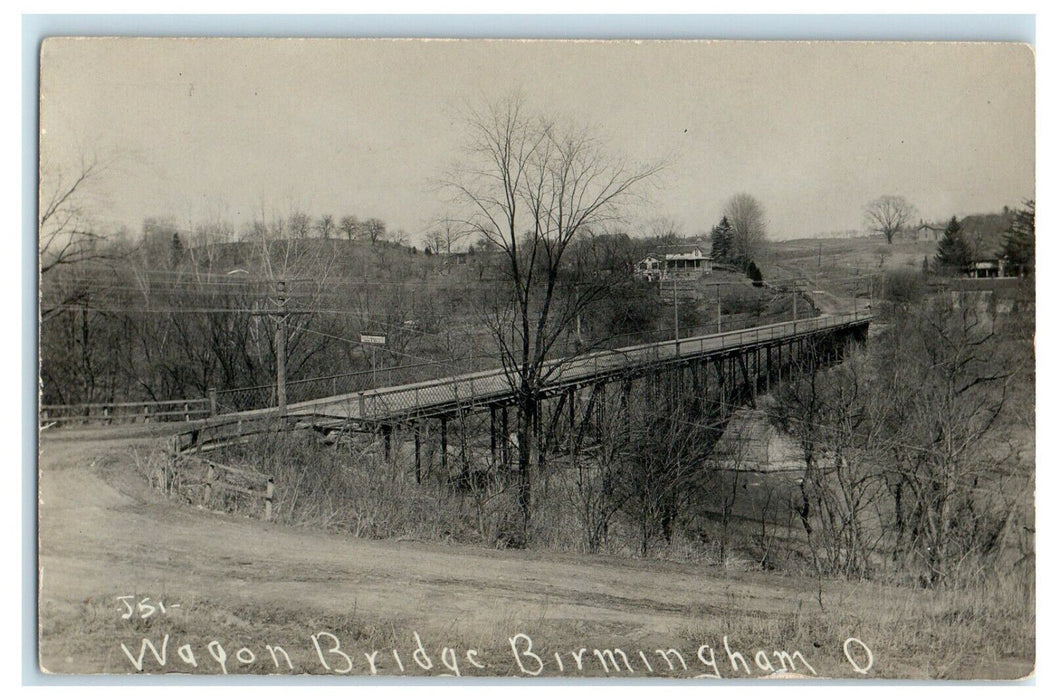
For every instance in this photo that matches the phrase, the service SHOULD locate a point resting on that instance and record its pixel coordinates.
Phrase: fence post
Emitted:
(213, 401)
(173, 465)
(207, 484)
(186, 411)
(269, 498)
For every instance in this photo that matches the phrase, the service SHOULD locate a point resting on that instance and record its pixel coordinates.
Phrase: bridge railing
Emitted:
(469, 389)
(127, 412)
(671, 350)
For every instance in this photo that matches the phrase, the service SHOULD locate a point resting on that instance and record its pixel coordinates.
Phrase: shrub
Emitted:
(903, 287)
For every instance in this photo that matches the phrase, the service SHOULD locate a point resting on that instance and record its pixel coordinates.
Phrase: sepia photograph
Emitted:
(536, 359)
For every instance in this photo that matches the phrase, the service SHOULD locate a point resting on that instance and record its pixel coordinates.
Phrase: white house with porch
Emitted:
(689, 265)
(684, 263)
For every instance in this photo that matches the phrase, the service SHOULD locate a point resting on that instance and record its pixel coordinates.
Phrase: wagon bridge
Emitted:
(741, 364)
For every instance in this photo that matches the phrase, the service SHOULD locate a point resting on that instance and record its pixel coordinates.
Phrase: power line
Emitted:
(387, 349)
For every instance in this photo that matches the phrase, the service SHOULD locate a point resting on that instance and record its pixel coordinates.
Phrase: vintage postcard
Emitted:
(536, 359)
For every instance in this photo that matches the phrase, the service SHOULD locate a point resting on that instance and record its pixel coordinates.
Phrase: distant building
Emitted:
(682, 263)
(687, 265)
(650, 269)
(926, 231)
(989, 267)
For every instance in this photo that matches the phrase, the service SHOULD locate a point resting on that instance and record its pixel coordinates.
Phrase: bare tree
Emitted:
(906, 442)
(375, 230)
(68, 238)
(664, 231)
(326, 226)
(213, 232)
(299, 224)
(265, 227)
(433, 241)
(889, 214)
(666, 462)
(748, 219)
(830, 414)
(350, 227)
(946, 380)
(449, 232)
(599, 493)
(67, 235)
(529, 186)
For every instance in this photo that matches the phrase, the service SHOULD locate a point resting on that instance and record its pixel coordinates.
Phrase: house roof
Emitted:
(679, 248)
(695, 254)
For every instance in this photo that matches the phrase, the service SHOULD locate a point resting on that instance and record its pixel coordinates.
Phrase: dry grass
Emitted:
(910, 633)
(975, 633)
(982, 627)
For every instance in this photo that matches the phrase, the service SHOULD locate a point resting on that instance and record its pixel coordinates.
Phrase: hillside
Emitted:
(836, 262)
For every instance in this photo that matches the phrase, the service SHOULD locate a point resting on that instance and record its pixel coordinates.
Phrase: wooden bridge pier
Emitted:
(741, 376)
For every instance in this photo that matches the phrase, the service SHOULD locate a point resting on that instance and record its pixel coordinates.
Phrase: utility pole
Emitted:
(281, 343)
(718, 305)
(794, 301)
(674, 288)
(579, 333)
(375, 361)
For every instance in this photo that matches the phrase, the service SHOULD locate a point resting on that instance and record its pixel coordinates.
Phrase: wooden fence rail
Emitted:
(261, 485)
(129, 411)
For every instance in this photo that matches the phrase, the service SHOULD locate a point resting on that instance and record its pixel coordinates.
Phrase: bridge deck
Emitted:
(440, 396)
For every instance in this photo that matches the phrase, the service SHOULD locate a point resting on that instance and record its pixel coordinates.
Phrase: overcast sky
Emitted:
(226, 128)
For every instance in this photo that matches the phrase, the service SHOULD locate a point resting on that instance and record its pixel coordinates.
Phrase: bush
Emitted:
(742, 300)
(754, 274)
(903, 287)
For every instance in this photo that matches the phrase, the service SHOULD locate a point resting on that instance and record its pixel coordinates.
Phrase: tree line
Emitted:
(912, 462)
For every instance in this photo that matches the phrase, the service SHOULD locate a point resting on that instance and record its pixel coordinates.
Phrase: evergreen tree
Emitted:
(1018, 246)
(722, 241)
(753, 273)
(952, 251)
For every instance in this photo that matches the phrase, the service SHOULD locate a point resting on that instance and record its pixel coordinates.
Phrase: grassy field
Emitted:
(836, 264)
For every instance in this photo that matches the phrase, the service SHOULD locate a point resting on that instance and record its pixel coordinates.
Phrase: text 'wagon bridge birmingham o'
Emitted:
(733, 366)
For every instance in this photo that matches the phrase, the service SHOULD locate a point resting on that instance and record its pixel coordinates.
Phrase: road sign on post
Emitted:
(374, 341)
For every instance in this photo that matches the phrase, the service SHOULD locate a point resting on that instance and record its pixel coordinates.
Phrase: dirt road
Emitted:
(104, 534)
